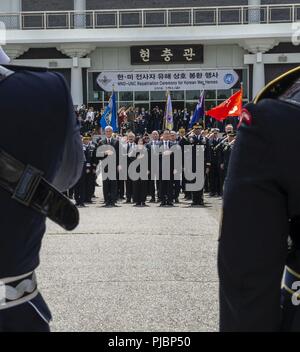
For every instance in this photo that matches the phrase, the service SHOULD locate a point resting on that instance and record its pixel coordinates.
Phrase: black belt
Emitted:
(28, 187)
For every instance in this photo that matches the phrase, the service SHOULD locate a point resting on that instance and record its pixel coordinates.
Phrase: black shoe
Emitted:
(212, 194)
(114, 205)
(176, 200)
(163, 204)
(144, 205)
(128, 201)
(137, 205)
(152, 200)
(170, 204)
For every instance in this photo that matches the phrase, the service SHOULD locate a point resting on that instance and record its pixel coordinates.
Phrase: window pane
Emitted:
(107, 96)
(177, 95)
(209, 104)
(192, 94)
(158, 96)
(190, 105)
(125, 96)
(210, 94)
(143, 105)
(140, 96)
(126, 104)
(224, 93)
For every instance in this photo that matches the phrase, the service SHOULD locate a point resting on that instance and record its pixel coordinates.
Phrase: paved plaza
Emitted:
(134, 269)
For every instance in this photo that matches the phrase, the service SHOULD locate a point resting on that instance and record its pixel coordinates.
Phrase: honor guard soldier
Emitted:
(80, 189)
(261, 211)
(90, 170)
(30, 183)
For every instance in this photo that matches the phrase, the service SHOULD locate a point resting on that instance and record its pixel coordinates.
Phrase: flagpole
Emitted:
(204, 124)
(242, 90)
(166, 109)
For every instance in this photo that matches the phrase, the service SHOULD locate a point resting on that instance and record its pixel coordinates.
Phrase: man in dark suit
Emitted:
(110, 183)
(130, 148)
(153, 148)
(198, 140)
(166, 179)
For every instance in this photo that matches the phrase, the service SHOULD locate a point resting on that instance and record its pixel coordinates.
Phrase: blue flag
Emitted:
(199, 111)
(109, 117)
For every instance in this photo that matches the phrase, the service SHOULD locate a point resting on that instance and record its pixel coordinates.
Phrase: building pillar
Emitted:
(254, 11)
(76, 83)
(79, 14)
(258, 73)
(76, 51)
(257, 47)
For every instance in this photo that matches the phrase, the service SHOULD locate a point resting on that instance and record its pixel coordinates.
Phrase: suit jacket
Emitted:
(115, 145)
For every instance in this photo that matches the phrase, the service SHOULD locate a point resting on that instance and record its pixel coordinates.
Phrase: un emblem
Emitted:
(229, 78)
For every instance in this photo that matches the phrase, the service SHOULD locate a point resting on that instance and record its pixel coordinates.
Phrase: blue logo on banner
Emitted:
(229, 78)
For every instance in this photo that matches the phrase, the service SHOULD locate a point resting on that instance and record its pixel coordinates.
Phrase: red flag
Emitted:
(230, 107)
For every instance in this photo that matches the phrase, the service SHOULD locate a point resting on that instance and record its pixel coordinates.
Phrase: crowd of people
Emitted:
(137, 144)
(140, 120)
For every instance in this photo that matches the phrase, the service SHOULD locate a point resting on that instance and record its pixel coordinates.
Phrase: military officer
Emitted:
(27, 176)
(214, 164)
(261, 210)
(91, 167)
(226, 150)
(80, 189)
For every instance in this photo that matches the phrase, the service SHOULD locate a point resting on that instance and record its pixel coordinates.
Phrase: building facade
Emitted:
(184, 46)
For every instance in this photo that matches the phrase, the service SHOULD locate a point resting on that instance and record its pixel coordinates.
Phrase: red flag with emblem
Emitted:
(230, 107)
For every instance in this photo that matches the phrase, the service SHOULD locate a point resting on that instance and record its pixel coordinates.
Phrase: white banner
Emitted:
(167, 80)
